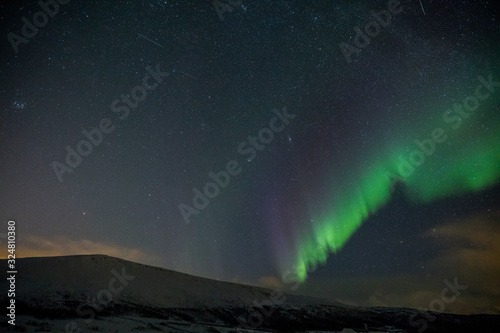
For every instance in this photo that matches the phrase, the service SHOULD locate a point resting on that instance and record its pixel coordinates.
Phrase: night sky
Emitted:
(373, 163)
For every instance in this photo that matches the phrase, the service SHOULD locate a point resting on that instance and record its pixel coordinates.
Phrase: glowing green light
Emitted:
(454, 164)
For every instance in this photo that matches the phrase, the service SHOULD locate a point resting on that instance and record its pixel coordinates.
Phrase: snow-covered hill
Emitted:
(102, 293)
(146, 285)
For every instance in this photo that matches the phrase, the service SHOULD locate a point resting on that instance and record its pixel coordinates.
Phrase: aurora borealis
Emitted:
(457, 168)
(385, 183)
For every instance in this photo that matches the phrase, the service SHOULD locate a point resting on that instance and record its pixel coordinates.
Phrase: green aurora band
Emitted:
(467, 159)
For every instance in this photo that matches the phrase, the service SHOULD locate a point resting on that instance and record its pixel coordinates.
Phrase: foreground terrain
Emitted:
(97, 293)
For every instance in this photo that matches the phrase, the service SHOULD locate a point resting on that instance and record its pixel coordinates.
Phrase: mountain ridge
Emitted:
(92, 291)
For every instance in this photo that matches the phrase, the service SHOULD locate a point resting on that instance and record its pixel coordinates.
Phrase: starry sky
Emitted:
(274, 144)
